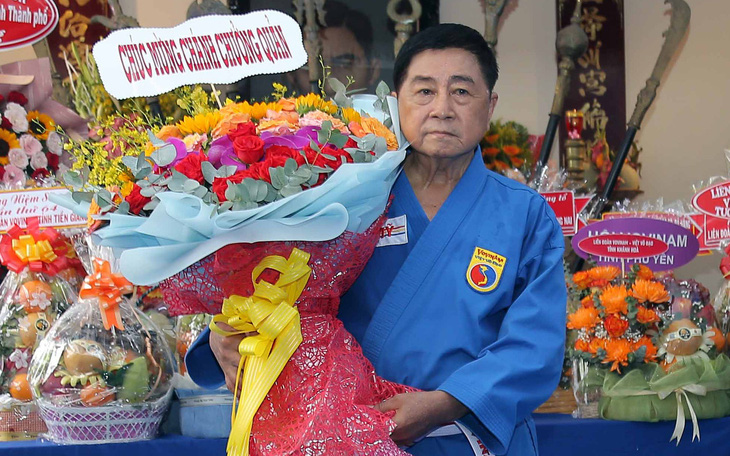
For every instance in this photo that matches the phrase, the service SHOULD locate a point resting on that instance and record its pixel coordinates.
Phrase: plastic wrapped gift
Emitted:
(103, 373)
(33, 297)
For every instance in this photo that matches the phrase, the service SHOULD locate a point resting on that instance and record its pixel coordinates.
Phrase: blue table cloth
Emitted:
(558, 435)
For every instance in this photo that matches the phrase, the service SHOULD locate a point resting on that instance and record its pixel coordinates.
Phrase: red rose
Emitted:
(249, 148)
(17, 97)
(6, 124)
(615, 326)
(260, 170)
(136, 200)
(52, 160)
(242, 129)
(2, 171)
(39, 173)
(220, 184)
(284, 151)
(191, 167)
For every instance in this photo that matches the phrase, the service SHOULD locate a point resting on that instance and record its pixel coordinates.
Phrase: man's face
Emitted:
(345, 57)
(444, 103)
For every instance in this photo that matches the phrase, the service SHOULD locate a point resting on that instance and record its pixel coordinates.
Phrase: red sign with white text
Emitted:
(563, 204)
(567, 208)
(692, 222)
(24, 22)
(714, 200)
(624, 246)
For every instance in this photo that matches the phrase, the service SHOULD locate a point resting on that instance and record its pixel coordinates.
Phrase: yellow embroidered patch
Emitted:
(485, 270)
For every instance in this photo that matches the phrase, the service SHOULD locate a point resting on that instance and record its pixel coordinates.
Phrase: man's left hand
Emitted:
(416, 414)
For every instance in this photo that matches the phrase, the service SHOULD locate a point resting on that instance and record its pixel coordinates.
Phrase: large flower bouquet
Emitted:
(646, 349)
(265, 214)
(30, 147)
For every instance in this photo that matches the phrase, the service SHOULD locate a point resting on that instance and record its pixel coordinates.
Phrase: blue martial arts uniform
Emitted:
(472, 304)
(422, 323)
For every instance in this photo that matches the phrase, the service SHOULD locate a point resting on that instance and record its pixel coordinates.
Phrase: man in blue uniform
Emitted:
(464, 298)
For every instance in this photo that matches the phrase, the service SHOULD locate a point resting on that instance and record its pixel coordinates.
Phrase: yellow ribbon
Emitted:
(270, 313)
(28, 250)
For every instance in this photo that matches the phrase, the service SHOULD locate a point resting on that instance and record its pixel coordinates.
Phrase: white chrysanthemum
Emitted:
(17, 116)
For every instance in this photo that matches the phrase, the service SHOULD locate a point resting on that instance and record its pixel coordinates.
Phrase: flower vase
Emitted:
(587, 388)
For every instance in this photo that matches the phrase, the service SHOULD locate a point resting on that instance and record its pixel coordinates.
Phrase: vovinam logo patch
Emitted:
(485, 270)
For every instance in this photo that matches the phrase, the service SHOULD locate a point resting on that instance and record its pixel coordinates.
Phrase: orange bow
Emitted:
(108, 289)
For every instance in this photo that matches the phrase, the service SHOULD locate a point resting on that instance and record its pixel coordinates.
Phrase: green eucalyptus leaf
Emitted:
(130, 162)
(165, 155)
(290, 190)
(226, 171)
(382, 90)
(314, 145)
(338, 139)
(148, 192)
(244, 205)
(271, 193)
(201, 192)
(142, 173)
(190, 185)
(290, 165)
(278, 178)
(225, 206)
(304, 172)
(73, 179)
(151, 205)
(336, 85)
(157, 142)
(123, 208)
(232, 193)
(82, 197)
(209, 171)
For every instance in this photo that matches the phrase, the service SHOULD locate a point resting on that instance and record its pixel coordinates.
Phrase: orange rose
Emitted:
(615, 326)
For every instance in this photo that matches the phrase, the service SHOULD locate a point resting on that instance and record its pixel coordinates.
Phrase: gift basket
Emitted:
(647, 349)
(103, 372)
(274, 207)
(33, 298)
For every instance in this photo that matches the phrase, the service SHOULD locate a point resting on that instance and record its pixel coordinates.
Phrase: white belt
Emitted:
(457, 428)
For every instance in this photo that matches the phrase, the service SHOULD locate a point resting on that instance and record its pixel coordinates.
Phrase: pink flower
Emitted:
(38, 160)
(54, 143)
(13, 175)
(30, 145)
(17, 116)
(18, 158)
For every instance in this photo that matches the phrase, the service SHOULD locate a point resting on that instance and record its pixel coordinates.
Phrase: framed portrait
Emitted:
(357, 41)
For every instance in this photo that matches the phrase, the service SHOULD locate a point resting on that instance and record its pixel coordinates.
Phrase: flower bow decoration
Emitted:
(269, 312)
(107, 288)
(39, 250)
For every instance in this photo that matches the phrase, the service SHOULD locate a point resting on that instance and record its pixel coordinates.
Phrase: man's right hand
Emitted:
(225, 349)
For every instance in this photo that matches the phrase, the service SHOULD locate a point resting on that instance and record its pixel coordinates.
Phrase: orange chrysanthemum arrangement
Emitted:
(618, 319)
